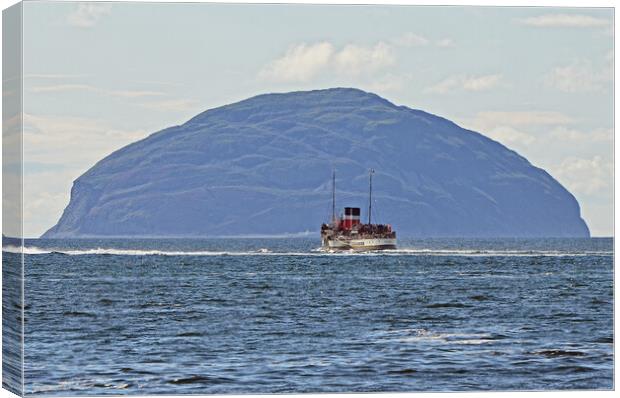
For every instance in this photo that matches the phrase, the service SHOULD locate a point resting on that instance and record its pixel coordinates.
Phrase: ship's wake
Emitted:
(34, 250)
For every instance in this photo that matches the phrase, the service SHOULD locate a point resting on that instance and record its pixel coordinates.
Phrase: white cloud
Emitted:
(300, 63)
(505, 130)
(62, 148)
(303, 62)
(357, 59)
(469, 83)
(510, 136)
(578, 136)
(514, 128)
(444, 86)
(57, 150)
(445, 42)
(72, 140)
(45, 196)
(565, 21)
(580, 76)
(86, 15)
(493, 119)
(481, 83)
(578, 157)
(585, 176)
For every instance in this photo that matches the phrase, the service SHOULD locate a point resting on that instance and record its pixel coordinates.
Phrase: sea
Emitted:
(237, 316)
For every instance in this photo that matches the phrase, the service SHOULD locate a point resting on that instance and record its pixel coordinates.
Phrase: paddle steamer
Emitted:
(346, 232)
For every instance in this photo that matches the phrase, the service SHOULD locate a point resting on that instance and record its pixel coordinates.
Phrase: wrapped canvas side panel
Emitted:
(12, 215)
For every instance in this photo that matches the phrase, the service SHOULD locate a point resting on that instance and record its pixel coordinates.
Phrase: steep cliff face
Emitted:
(263, 166)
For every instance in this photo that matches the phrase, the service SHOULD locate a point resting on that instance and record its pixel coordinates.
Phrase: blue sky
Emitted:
(98, 76)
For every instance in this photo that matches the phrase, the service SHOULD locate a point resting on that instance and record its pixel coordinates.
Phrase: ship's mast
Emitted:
(334, 196)
(370, 196)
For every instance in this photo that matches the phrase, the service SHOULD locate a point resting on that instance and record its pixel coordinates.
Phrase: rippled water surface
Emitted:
(275, 315)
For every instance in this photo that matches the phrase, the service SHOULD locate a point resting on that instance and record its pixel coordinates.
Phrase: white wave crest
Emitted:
(33, 250)
(130, 252)
(426, 336)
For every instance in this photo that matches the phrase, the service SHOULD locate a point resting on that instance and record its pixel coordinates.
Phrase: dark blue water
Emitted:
(269, 315)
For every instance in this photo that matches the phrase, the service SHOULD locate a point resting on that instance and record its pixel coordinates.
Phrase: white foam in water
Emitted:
(33, 250)
(130, 252)
(423, 335)
(26, 250)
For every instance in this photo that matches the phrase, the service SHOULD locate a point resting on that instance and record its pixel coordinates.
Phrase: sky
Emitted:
(98, 76)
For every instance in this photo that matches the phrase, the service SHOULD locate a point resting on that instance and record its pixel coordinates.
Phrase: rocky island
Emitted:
(263, 166)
